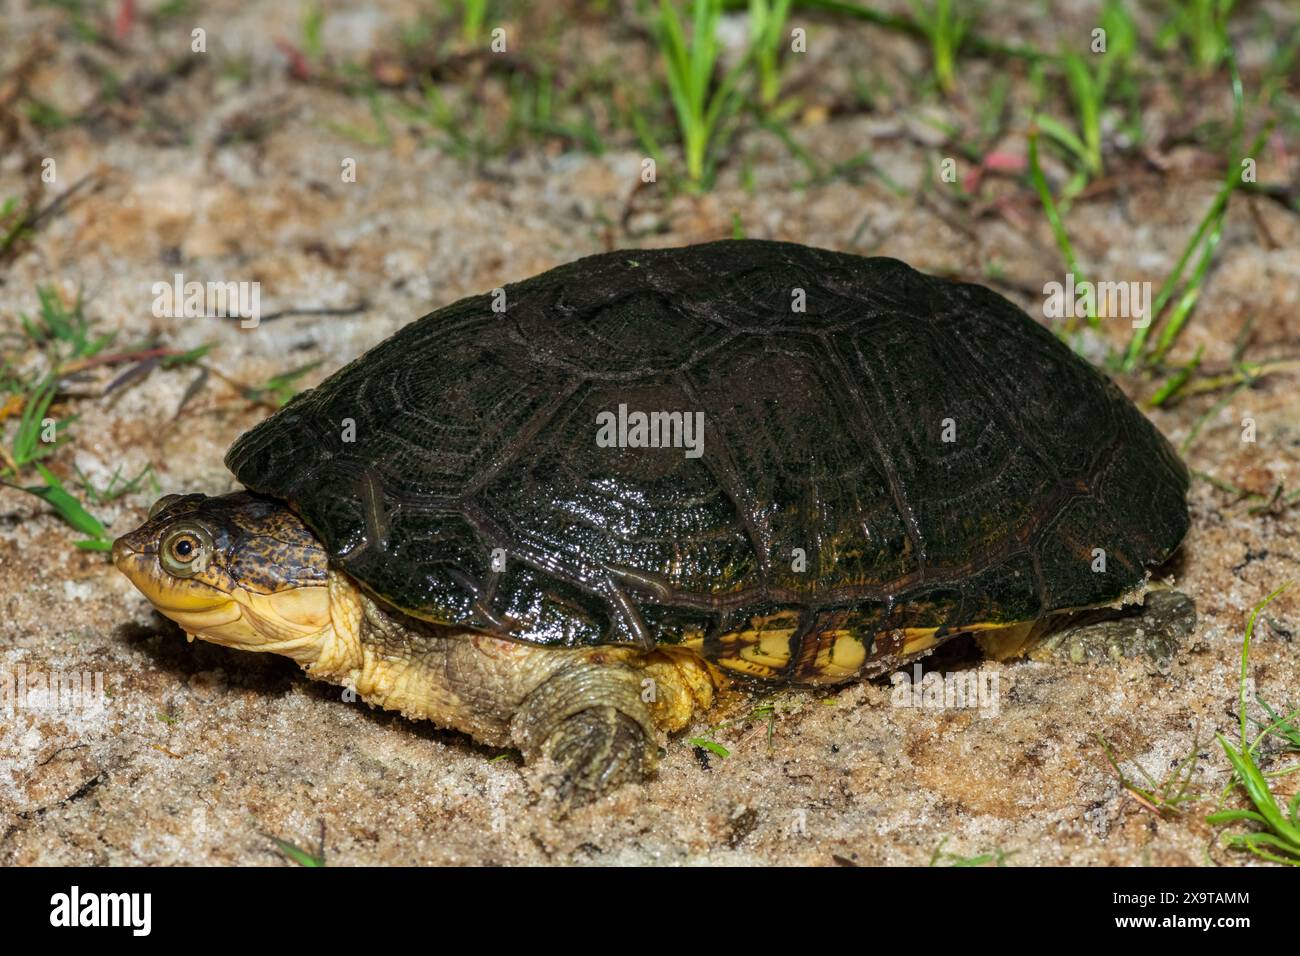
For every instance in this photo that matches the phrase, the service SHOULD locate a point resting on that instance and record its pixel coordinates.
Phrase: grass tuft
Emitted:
(702, 104)
(1278, 836)
(1201, 27)
(71, 511)
(1163, 797)
(1090, 79)
(1206, 238)
(767, 36)
(995, 857)
(946, 30)
(1053, 214)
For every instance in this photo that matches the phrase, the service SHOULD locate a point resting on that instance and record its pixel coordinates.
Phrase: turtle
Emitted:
(564, 515)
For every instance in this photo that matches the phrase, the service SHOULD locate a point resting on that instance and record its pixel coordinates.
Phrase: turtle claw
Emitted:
(591, 753)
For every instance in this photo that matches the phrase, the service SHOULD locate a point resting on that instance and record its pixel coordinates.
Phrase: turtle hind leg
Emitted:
(1154, 630)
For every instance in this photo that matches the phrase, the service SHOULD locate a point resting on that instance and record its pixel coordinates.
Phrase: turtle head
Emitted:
(240, 570)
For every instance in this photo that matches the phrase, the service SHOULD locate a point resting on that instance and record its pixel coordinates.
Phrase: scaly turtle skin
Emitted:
(557, 525)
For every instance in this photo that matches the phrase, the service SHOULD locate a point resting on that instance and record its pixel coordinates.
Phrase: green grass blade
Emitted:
(1177, 382)
(1232, 181)
(1053, 215)
(710, 745)
(297, 854)
(1260, 795)
(1192, 292)
(1063, 135)
(69, 509)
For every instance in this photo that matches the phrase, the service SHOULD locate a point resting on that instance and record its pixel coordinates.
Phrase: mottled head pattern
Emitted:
(239, 569)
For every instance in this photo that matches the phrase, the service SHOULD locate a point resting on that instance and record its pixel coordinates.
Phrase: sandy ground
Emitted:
(203, 755)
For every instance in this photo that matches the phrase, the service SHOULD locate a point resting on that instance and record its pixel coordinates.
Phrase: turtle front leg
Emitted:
(588, 729)
(585, 718)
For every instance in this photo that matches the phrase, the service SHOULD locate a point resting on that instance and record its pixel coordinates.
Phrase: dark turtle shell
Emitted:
(880, 447)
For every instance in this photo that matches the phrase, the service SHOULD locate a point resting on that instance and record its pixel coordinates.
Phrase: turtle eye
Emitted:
(185, 550)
